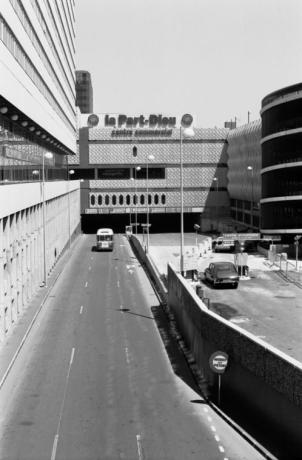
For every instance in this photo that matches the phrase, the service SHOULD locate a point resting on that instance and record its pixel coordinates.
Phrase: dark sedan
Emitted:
(222, 273)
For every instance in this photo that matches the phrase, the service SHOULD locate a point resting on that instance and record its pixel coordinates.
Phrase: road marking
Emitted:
(56, 439)
(221, 448)
(209, 418)
(118, 283)
(89, 268)
(217, 438)
(139, 447)
(81, 310)
(54, 447)
(213, 428)
(71, 357)
(127, 355)
(86, 284)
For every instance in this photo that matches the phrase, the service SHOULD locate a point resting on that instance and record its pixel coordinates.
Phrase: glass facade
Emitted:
(22, 158)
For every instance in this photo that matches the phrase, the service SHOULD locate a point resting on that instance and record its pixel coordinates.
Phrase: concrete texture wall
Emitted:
(266, 381)
(22, 241)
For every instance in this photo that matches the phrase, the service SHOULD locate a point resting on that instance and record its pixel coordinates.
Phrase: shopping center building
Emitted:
(132, 168)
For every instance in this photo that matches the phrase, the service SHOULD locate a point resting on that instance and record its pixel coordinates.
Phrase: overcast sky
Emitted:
(215, 59)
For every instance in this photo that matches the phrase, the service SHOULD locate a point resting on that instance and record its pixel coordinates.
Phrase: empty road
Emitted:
(100, 375)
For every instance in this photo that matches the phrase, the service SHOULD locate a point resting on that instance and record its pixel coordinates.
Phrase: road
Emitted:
(100, 376)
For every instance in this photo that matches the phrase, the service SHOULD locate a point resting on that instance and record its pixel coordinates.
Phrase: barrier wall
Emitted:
(23, 230)
(260, 381)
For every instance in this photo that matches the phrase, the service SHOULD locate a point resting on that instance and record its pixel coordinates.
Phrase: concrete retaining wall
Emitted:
(266, 383)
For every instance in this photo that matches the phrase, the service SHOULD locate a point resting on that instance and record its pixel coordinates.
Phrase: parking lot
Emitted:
(264, 304)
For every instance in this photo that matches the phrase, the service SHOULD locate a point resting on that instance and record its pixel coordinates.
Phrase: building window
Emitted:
(121, 200)
(107, 200)
(128, 200)
(163, 199)
(142, 199)
(156, 199)
(113, 200)
(92, 200)
(100, 200)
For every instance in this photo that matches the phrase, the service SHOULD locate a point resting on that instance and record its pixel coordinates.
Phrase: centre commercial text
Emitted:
(125, 125)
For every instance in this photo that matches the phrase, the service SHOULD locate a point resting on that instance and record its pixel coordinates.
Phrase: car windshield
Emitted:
(225, 267)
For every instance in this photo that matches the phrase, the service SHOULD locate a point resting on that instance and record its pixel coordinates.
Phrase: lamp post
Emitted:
(250, 168)
(138, 168)
(215, 179)
(47, 155)
(70, 172)
(149, 158)
(185, 130)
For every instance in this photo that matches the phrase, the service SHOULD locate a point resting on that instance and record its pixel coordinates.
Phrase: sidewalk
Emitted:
(11, 346)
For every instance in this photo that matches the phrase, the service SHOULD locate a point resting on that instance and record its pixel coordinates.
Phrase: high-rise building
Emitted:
(84, 91)
(37, 135)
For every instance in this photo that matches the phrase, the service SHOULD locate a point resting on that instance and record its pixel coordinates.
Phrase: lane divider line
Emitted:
(86, 284)
(54, 447)
(139, 447)
(81, 310)
(56, 439)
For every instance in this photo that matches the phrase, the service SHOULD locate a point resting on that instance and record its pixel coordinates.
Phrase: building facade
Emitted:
(39, 210)
(281, 174)
(84, 91)
(131, 169)
(244, 175)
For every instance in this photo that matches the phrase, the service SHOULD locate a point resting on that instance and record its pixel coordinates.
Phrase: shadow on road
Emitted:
(176, 355)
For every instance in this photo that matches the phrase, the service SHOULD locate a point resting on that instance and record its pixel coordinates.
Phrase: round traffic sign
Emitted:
(186, 120)
(218, 361)
(92, 120)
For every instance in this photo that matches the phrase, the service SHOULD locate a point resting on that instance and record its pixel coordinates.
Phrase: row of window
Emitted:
(19, 9)
(36, 6)
(10, 41)
(128, 200)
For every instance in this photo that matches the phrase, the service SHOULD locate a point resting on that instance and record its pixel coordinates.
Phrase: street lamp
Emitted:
(215, 179)
(250, 168)
(138, 168)
(185, 130)
(149, 158)
(70, 173)
(47, 155)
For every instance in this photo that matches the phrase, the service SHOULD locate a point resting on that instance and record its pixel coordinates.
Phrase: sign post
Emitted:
(218, 363)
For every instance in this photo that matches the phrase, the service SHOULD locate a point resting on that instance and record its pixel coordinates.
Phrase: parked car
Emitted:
(222, 273)
(221, 244)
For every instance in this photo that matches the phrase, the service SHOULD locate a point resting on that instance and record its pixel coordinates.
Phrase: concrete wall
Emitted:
(263, 381)
(22, 240)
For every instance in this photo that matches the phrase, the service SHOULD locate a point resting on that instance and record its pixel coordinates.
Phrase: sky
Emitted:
(215, 59)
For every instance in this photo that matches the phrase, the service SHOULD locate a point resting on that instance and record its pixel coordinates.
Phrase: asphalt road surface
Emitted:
(100, 376)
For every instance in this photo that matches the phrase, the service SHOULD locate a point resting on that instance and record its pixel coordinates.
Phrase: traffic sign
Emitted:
(218, 362)
(186, 120)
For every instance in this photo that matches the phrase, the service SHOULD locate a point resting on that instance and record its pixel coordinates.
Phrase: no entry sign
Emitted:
(218, 362)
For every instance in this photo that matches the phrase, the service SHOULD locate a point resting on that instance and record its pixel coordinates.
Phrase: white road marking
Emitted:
(221, 448)
(139, 447)
(81, 310)
(127, 355)
(56, 439)
(209, 418)
(206, 409)
(213, 428)
(89, 268)
(118, 283)
(71, 357)
(217, 438)
(54, 447)
(86, 284)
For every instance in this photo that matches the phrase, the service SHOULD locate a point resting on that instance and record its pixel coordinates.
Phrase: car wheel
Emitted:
(235, 285)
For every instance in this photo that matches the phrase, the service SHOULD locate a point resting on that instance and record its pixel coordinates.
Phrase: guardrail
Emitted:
(288, 269)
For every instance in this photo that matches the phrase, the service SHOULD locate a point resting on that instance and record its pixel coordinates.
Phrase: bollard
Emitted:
(199, 291)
